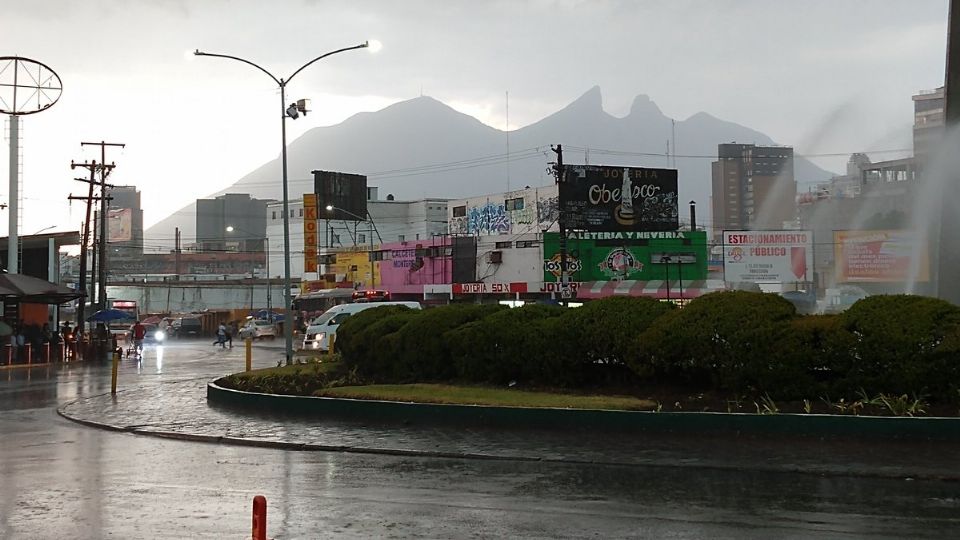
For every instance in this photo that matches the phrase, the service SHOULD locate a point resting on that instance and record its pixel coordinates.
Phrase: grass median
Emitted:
(319, 379)
(477, 395)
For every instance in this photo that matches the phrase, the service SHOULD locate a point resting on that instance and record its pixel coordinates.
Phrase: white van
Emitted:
(321, 329)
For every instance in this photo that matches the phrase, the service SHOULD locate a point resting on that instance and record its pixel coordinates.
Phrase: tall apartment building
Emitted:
(753, 188)
(928, 122)
(124, 231)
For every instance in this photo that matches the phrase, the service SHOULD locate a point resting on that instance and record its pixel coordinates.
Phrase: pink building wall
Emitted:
(405, 273)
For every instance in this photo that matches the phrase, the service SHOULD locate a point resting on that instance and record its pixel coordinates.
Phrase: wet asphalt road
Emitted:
(59, 479)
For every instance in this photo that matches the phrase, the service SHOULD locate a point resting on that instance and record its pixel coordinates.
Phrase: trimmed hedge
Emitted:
(424, 353)
(501, 347)
(354, 336)
(734, 342)
(373, 350)
(897, 342)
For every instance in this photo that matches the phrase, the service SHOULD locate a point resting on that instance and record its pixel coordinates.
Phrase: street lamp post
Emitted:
(665, 260)
(373, 278)
(285, 111)
(266, 248)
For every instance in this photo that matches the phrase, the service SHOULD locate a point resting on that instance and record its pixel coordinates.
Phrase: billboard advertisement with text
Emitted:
(621, 256)
(602, 199)
(768, 256)
(881, 256)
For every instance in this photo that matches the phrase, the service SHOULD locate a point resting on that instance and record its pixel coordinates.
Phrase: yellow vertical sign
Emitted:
(309, 232)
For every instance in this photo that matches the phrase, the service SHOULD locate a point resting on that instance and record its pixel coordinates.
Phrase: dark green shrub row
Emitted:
(729, 341)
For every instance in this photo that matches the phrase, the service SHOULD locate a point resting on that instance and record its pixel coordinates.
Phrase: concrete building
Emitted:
(124, 231)
(753, 188)
(928, 122)
(528, 210)
(390, 221)
(231, 222)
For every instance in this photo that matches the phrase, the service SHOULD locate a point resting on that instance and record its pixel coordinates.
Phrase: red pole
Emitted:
(259, 518)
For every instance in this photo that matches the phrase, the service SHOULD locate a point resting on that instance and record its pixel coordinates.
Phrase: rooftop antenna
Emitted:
(507, 131)
(673, 135)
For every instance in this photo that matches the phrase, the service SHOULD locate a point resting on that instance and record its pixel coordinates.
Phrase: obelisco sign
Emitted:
(26, 87)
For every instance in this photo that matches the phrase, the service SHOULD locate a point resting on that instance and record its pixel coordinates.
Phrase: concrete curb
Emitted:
(314, 447)
(713, 423)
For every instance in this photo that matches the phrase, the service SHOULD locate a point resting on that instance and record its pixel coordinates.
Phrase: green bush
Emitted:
(424, 342)
(607, 330)
(353, 337)
(822, 352)
(942, 372)
(897, 342)
(730, 341)
(373, 353)
(501, 347)
(297, 380)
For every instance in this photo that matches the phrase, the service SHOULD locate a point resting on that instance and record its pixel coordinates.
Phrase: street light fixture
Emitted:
(266, 247)
(282, 83)
(373, 277)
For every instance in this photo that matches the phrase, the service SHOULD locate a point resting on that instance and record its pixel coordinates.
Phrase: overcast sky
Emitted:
(826, 76)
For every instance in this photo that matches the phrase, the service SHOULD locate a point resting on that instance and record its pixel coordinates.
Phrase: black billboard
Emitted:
(346, 192)
(591, 199)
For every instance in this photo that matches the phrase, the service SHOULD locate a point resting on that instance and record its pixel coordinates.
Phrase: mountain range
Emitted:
(424, 148)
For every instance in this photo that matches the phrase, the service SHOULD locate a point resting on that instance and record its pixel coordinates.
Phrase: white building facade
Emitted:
(390, 221)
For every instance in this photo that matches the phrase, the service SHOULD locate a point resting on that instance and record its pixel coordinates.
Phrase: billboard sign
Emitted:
(345, 192)
(881, 256)
(602, 198)
(627, 256)
(120, 225)
(768, 256)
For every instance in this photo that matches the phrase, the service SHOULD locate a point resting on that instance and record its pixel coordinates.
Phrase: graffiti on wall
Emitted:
(488, 219)
(459, 225)
(492, 219)
(548, 211)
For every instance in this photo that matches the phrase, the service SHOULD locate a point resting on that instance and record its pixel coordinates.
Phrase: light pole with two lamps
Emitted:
(373, 277)
(293, 111)
(266, 249)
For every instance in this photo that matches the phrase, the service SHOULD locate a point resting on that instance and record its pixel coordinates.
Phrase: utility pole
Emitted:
(560, 173)
(176, 252)
(102, 291)
(92, 167)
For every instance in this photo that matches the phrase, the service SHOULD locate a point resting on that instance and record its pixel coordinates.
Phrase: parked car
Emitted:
(186, 327)
(258, 329)
(324, 327)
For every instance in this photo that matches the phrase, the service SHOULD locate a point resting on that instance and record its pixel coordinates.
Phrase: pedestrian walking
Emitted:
(221, 336)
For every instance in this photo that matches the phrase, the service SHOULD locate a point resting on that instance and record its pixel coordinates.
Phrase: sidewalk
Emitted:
(180, 410)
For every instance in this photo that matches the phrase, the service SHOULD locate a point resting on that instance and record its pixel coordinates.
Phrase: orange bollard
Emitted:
(259, 518)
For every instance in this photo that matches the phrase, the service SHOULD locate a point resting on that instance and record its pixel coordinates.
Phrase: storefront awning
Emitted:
(653, 289)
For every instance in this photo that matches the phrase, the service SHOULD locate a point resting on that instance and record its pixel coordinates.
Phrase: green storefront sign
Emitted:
(642, 256)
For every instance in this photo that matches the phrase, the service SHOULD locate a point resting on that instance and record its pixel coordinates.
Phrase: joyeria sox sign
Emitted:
(603, 198)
